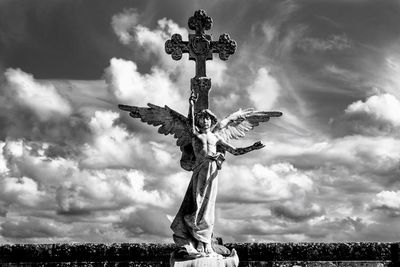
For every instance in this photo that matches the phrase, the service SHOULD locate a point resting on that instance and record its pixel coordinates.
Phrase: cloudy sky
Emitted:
(74, 168)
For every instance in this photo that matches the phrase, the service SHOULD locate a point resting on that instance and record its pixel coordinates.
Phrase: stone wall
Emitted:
(250, 254)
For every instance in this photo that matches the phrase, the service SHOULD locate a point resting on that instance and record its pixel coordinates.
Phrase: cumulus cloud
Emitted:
(357, 153)
(387, 200)
(3, 164)
(123, 22)
(384, 107)
(265, 202)
(46, 184)
(28, 159)
(346, 173)
(260, 183)
(23, 191)
(32, 179)
(36, 110)
(127, 27)
(376, 116)
(154, 40)
(113, 146)
(91, 191)
(160, 155)
(265, 90)
(133, 88)
(40, 98)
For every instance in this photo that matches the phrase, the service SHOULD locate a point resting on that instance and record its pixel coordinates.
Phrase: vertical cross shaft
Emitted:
(200, 48)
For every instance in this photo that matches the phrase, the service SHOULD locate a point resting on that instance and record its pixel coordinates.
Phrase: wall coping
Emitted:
(78, 252)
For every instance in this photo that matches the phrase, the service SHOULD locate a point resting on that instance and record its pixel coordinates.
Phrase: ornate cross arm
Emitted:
(175, 47)
(224, 47)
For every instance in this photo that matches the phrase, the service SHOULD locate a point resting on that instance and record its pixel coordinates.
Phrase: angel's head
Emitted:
(205, 119)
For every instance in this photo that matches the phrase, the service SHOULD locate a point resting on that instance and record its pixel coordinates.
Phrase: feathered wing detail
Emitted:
(237, 124)
(171, 121)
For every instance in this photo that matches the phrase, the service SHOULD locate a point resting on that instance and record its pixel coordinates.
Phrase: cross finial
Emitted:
(200, 22)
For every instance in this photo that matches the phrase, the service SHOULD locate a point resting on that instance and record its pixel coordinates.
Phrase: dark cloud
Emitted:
(70, 201)
(328, 228)
(29, 228)
(146, 222)
(22, 124)
(379, 231)
(351, 16)
(61, 151)
(292, 211)
(388, 210)
(3, 211)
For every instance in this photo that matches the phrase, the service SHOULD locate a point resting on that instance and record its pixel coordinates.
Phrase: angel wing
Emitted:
(237, 124)
(171, 121)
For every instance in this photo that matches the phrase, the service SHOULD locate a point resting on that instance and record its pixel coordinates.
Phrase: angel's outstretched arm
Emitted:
(241, 150)
(192, 100)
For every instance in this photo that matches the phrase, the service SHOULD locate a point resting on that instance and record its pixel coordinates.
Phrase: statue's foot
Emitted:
(200, 247)
(188, 252)
(191, 250)
(208, 249)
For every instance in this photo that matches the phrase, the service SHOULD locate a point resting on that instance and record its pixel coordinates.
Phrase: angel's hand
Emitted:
(193, 98)
(258, 145)
(211, 157)
(214, 156)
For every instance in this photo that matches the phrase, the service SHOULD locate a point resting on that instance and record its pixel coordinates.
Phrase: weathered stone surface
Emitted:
(205, 262)
(230, 261)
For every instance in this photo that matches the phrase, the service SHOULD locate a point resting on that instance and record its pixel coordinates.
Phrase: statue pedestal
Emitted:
(230, 261)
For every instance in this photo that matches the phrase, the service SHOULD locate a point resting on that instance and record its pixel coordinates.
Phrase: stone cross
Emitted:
(200, 48)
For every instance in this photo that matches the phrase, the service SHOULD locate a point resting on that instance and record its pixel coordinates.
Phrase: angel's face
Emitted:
(204, 122)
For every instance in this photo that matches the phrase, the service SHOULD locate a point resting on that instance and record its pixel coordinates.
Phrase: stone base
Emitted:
(220, 261)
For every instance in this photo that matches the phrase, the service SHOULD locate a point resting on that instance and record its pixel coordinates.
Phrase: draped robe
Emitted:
(194, 221)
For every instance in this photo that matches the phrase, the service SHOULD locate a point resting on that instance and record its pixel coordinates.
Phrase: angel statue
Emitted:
(203, 142)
